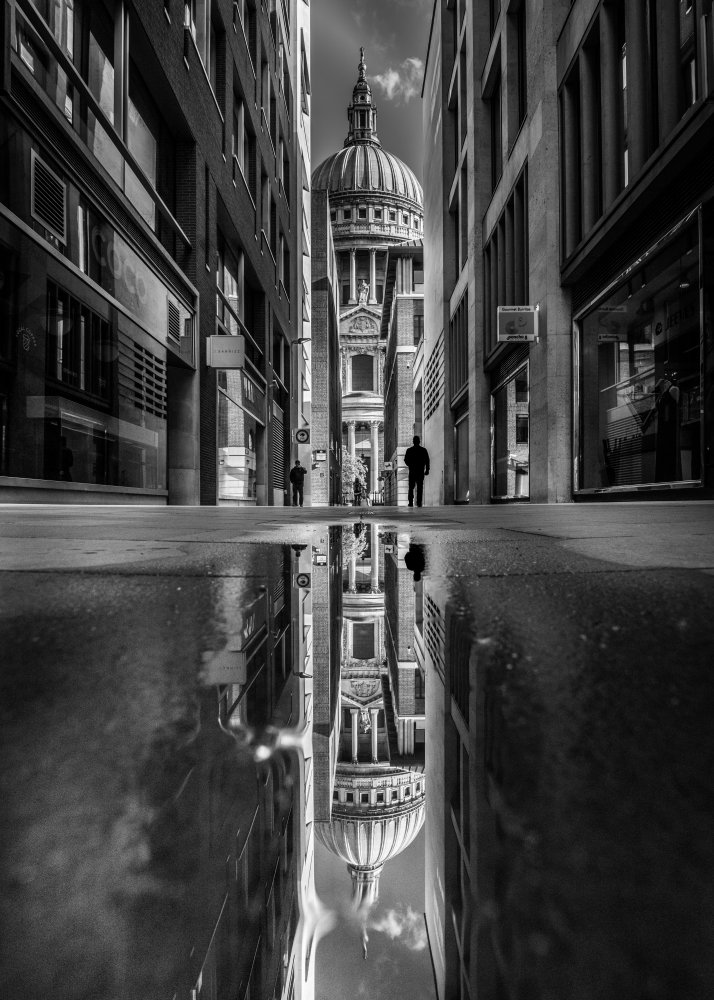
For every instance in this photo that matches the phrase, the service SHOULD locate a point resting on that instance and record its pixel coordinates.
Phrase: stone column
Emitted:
(351, 446)
(373, 276)
(353, 276)
(374, 444)
(374, 713)
(355, 734)
(374, 543)
(352, 571)
(610, 105)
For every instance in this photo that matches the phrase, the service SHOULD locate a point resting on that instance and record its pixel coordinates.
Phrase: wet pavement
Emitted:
(371, 752)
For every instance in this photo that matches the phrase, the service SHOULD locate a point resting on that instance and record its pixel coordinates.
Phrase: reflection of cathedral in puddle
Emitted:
(377, 804)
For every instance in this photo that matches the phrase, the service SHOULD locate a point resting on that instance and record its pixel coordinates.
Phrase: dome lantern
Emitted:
(362, 114)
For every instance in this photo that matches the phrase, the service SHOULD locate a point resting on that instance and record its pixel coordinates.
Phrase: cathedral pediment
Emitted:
(360, 322)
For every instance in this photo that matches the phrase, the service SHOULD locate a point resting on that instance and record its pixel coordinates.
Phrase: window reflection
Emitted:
(640, 374)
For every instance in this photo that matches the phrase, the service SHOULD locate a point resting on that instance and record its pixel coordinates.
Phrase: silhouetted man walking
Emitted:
(416, 459)
(297, 478)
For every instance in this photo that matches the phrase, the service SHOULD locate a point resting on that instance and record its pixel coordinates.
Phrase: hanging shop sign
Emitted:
(517, 324)
(225, 352)
(320, 456)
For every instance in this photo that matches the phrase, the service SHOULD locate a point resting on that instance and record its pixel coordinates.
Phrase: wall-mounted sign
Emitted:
(390, 549)
(302, 580)
(320, 456)
(387, 466)
(302, 435)
(517, 324)
(225, 352)
(319, 559)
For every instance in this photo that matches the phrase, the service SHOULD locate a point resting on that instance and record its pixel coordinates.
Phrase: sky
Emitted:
(398, 965)
(394, 34)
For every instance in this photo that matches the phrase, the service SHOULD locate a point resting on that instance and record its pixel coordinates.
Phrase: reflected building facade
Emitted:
(375, 202)
(379, 794)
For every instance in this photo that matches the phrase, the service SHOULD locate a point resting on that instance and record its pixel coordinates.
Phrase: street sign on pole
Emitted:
(302, 435)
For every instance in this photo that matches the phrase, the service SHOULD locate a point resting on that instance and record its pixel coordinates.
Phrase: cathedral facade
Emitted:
(375, 202)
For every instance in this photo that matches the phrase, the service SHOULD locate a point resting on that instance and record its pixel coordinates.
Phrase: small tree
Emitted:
(352, 468)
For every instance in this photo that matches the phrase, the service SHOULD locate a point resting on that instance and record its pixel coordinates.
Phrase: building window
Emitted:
(361, 213)
(378, 213)
(229, 281)
(459, 348)
(505, 260)
(363, 641)
(392, 215)
(640, 387)
(509, 417)
(405, 219)
(333, 215)
(347, 214)
(496, 118)
(363, 373)
(418, 323)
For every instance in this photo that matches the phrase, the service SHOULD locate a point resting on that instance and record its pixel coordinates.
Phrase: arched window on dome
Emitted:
(362, 373)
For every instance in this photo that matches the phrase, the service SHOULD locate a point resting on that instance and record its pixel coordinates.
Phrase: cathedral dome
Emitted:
(376, 813)
(362, 169)
(365, 842)
(367, 169)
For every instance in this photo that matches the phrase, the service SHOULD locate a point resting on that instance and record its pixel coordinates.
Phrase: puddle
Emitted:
(370, 762)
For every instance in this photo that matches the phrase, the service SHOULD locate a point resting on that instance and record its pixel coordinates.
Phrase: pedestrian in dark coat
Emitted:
(297, 478)
(416, 459)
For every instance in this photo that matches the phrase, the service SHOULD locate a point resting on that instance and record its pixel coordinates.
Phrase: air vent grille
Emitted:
(174, 322)
(142, 378)
(48, 199)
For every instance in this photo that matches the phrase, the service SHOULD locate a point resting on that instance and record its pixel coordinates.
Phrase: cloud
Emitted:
(401, 84)
(408, 925)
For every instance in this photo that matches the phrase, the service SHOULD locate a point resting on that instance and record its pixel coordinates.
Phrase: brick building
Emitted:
(402, 331)
(154, 158)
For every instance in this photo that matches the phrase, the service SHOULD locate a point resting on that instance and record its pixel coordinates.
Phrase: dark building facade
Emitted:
(150, 192)
(585, 197)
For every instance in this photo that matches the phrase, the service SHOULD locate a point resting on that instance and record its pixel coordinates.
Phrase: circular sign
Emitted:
(302, 436)
(303, 579)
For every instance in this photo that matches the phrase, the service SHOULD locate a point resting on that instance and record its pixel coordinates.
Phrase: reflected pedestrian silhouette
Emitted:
(415, 560)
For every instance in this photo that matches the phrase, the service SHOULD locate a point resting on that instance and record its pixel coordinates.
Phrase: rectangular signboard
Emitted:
(386, 466)
(517, 324)
(225, 352)
(320, 456)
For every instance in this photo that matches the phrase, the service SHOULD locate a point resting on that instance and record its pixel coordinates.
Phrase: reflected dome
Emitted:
(376, 814)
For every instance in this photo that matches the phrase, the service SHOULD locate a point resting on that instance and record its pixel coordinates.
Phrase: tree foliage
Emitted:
(352, 468)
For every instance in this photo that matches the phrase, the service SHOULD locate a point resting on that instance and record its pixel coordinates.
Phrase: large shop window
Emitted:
(509, 428)
(639, 379)
(82, 387)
